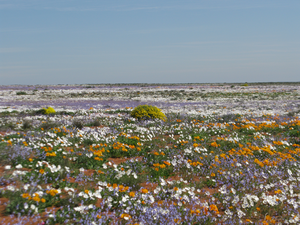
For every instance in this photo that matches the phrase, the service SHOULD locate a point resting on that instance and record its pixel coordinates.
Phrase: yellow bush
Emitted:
(47, 111)
(50, 110)
(147, 112)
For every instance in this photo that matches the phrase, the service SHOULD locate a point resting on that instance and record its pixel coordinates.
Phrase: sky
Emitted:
(149, 41)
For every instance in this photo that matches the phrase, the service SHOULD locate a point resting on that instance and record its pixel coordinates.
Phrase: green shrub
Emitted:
(21, 93)
(147, 112)
(78, 124)
(26, 125)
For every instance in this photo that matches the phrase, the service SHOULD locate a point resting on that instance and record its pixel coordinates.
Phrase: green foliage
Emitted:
(210, 183)
(147, 112)
(21, 93)
(26, 125)
(78, 124)
(48, 125)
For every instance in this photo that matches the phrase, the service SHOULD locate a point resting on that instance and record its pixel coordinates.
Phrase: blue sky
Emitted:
(149, 41)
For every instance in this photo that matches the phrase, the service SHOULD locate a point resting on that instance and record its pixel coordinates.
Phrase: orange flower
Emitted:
(25, 195)
(144, 191)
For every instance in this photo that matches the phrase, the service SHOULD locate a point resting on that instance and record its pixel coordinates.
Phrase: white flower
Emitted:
(90, 154)
(25, 205)
(19, 166)
(26, 186)
(69, 189)
(11, 188)
(126, 218)
(80, 208)
(151, 198)
(128, 172)
(233, 191)
(223, 189)
(125, 198)
(81, 169)
(33, 207)
(228, 212)
(236, 199)
(240, 213)
(162, 182)
(97, 194)
(8, 167)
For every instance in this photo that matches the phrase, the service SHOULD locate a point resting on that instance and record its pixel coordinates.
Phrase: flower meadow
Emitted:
(223, 154)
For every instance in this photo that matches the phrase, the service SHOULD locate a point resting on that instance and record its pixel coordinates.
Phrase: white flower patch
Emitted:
(268, 199)
(19, 173)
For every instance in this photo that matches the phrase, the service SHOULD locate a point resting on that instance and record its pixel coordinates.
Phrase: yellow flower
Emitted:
(42, 171)
(131, 194)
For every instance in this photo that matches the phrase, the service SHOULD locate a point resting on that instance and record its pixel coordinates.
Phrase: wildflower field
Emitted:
(224, 154)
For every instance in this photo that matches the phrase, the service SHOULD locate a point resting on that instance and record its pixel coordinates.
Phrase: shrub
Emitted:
(47, 111)
(48, 125)
(78, 124)
(50, 110)
(26, 125)
(21, 93)
(147, 112)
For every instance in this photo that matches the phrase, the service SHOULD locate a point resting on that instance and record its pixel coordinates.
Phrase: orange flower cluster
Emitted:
(52, 192)
(194, 163)
(120, 187)
(214, 144)
(35, 197)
